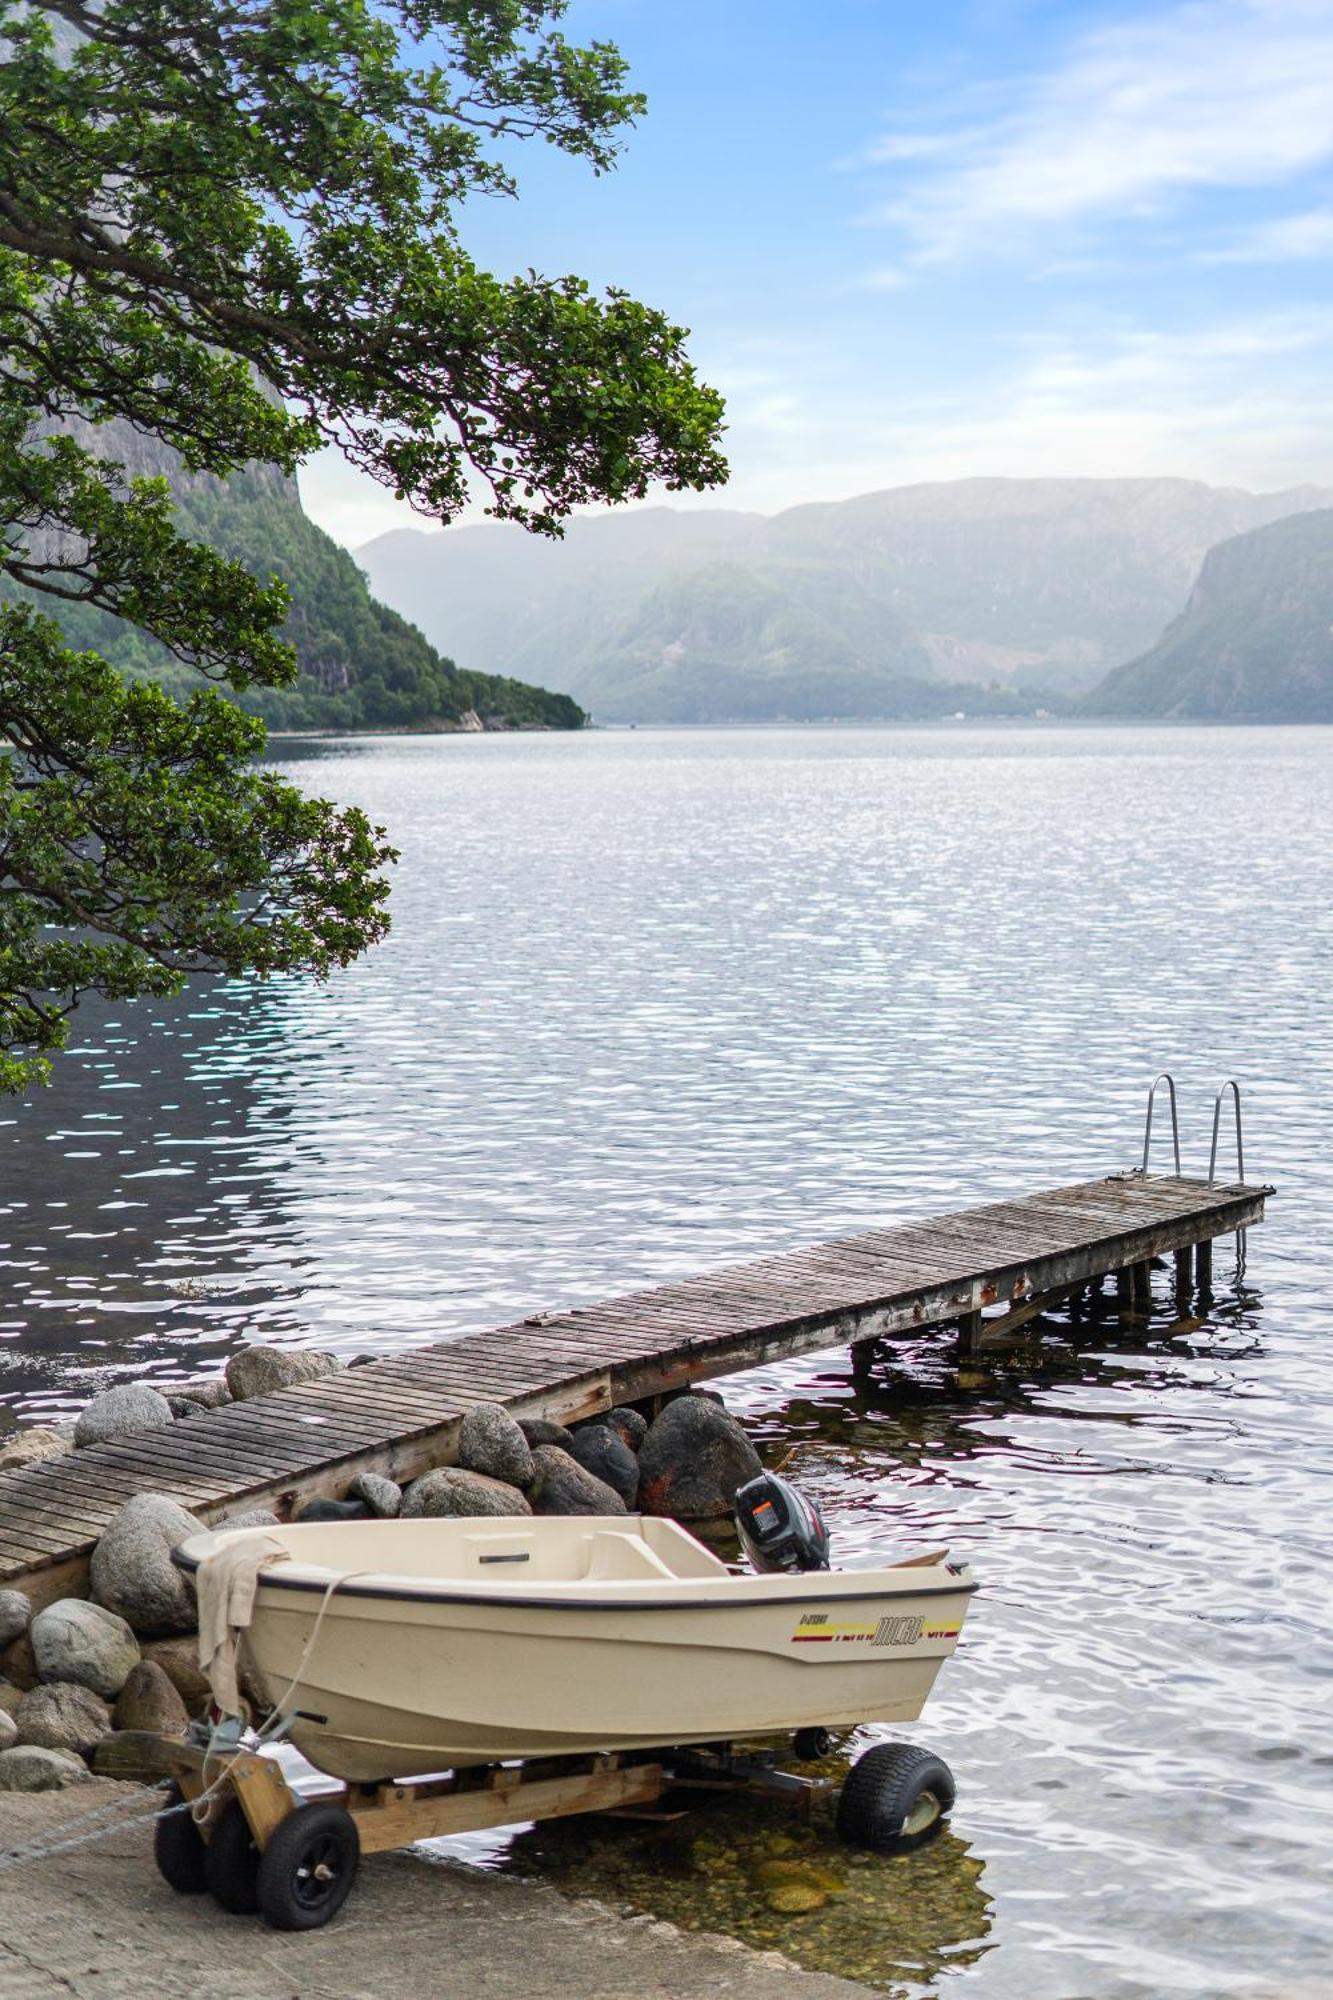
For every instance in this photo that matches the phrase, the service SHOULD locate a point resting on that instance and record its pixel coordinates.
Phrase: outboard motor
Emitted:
(779, 1528)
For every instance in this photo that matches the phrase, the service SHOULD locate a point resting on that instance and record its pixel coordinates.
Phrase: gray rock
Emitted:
(31, 1446)
(73, 1640)
(62, 1716)
(179, 1661)
(183, 1407)
(602, 1451)
(454, 1491)
(541, 1430)
(258, 1371)
(491, 1442)
(382, 1496)
(125, 1411)
(149, 1701)
(9, 1731)
(15, 1614)
(253, 1517)
(631, 1424)
(320, 1509)
(563, 1487)
(693, 1459)
(132, 1571)
(28, 1769)
(210, 1390)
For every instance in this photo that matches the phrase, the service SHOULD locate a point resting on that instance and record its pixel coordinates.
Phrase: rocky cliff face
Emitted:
(1255, 640)
(845, 610)
(362, 666)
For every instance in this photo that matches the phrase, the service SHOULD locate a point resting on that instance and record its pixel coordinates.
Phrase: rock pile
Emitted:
(79, 1671)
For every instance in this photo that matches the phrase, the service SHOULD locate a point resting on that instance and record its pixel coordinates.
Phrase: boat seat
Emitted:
(622, 1557)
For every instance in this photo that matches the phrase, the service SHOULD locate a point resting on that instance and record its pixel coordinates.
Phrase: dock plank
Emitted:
(402, 1414)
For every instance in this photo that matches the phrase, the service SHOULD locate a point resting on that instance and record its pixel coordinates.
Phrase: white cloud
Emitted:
(1213, 94)
(1286, 239)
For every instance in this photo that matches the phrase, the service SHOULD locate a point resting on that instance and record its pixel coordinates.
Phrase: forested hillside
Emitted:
(362, 665)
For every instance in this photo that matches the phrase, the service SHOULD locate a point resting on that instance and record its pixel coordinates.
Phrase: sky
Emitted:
(931, 241)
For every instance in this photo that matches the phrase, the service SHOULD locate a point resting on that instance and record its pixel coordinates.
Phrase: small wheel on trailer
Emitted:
(896, 1798)
(231, 1861)
(308, 1867)
(810, 1745)
(178, 1847)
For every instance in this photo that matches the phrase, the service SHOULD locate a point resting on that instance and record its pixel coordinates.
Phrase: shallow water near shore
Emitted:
(660, 1000)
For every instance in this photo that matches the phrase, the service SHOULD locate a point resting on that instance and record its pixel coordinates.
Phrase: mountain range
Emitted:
(990, 595)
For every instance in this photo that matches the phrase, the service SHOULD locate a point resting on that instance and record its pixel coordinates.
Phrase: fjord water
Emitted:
(658, 1000)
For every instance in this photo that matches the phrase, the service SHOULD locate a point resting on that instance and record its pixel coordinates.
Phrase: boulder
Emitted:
(381, 1495)
(17, 1662)
(15, 1615)
(179, 1661)
(258, 1371)
(63, 1716)
(562, 1486)
(693, 1459)
(252, 1517)
(31, 1446)
(183, 1407)
(73, 1640)
(132, 1570)
(541, 1430)
(210, 1391)
(10, 1697)
(453, 1491)
(149, 1701)
(603, 1452)
(631, 1424)
(124, 1411)
(490, 1442)
(28, 1769)
(9, 1730)
(320, 1509)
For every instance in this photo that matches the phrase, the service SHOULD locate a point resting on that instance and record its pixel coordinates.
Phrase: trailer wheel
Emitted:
(231, 1861)
(178, 1848)
(307, 1870)
(896, 1798)
(809, 1746)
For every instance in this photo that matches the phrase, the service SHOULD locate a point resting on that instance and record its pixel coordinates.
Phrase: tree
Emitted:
(234, 226)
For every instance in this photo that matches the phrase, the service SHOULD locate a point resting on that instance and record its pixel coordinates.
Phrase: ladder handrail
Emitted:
(1232, 1086)
(1170, 1083)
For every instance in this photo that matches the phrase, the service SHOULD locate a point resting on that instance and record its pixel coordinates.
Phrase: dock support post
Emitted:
(1124, 1294)
(1203, 1266)
(864, 1354)
(1184, 1278)
(1141, 1285)
(969, 1332)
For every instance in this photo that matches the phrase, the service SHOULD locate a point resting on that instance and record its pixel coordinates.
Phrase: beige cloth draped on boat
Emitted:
(226, 1583)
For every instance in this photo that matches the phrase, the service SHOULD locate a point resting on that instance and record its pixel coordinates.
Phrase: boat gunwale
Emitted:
(511, 1596)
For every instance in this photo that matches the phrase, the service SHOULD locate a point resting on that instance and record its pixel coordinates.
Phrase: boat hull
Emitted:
(395, 1687)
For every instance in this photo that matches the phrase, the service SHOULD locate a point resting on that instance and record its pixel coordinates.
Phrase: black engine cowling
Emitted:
(779, 1528)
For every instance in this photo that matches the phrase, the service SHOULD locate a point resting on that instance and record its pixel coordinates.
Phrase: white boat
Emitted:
(429, 1645)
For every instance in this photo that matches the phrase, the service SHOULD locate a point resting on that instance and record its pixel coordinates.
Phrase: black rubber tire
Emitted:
(896, 1798)
(308, 1868)
(809, 1746)
(178, 1849)
(231, 1861)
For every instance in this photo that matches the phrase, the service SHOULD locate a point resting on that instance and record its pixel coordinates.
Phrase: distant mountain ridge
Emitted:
(976, 593)
(1255, 640)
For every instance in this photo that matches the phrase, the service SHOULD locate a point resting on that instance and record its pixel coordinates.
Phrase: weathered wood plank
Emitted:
(402, 1414)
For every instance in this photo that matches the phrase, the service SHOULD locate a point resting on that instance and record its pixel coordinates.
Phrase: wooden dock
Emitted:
(984, 1270)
